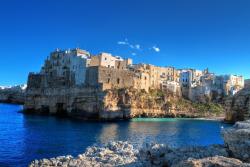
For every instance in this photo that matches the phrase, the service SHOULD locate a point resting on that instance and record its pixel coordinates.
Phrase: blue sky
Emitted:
(180, 33)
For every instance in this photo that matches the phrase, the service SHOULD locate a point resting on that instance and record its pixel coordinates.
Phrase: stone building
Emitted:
(107, 60)
(107, 78)
(68, 65)
(203, 92)
(190, 77)
(231, 84)
(171, 87)
(216, 87)
(155, 77)
(141, 76)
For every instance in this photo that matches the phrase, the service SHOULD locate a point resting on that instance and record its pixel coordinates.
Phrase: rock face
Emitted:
(238, 140)
(90, 103)
(15, 94)
(238, 106)
(234, 153)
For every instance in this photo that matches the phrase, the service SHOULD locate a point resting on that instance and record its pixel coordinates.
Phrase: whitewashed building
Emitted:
(71, 64)
(110, 61)
(190, 77)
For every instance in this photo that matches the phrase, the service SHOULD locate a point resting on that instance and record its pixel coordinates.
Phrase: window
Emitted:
(118, 81)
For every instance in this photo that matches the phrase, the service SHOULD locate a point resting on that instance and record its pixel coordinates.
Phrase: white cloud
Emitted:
(156, 49)
(133, 54)
(132, 46)
(122, 43)
(137, 46)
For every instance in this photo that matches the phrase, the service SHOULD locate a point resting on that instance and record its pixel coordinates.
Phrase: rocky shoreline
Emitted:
(13, 95)
(235, 152)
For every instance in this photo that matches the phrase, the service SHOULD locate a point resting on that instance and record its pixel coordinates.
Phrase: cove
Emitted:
(24, 138)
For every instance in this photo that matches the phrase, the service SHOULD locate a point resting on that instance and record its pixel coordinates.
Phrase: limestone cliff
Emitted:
(14, 94)
(238, 106)
(156, 103)
(90, 103)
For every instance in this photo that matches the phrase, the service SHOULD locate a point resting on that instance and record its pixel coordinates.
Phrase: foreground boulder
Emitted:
(217, 161)
(237, 139)
(123, 154)
(162, 155)
(111, 154)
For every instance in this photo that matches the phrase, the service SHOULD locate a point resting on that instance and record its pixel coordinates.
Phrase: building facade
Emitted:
(190, 77)
(68, 64)
(77, 67)
(110, 61)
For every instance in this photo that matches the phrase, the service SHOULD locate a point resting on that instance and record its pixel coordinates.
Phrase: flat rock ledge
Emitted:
(234, 153)
(237, 139)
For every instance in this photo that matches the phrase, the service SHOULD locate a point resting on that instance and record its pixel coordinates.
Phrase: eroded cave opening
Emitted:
(61, 109)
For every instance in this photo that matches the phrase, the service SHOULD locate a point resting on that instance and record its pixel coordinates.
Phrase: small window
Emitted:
(118, 81)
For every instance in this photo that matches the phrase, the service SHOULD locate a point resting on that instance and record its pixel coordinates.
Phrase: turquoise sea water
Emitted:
(27, 137)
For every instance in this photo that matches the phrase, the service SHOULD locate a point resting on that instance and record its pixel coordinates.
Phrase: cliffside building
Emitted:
(69, 65)
(216, 87)
(155, 77)
(190, 77)
(74, 81)
(109, 61)
(230, 84)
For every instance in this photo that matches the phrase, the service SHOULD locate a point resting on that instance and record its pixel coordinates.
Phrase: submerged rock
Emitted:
(237, 140)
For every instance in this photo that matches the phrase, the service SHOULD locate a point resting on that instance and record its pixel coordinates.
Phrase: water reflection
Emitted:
(110, 132)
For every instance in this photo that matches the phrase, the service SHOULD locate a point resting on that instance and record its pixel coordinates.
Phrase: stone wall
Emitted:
(109, 78)
(49, 81)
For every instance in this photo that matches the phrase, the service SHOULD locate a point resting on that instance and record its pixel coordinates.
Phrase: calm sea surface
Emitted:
(27, 137)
